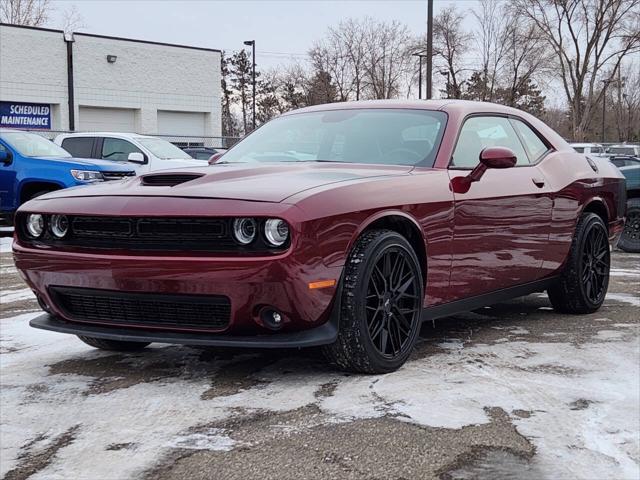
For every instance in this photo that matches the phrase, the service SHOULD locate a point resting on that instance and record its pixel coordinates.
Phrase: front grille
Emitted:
(117, 175)
(152, 234)
(171, 312)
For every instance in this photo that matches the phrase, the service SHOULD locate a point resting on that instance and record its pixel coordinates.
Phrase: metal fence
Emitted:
(181, 141)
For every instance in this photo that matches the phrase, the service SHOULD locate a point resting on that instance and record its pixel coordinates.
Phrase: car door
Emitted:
(118, 149)
(502, 223)
(7, 181)
(79, 147)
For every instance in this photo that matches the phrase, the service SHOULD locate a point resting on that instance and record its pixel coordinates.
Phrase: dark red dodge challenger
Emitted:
(343, 226)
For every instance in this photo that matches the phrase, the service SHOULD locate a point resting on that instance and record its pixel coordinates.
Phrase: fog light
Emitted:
(35, 224)
(271, 318)
(59, 225)
(244, 230)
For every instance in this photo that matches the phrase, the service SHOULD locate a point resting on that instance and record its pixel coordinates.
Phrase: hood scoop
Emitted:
(168, 179)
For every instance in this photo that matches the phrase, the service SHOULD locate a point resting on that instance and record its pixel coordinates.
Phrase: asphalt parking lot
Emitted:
(511, 391)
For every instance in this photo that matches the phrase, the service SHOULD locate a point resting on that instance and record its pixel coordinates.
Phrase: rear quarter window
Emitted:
(80, 147)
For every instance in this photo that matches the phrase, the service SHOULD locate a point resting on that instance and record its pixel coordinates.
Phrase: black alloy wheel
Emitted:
(595, 264)
(630, 238)
(583, 284)
(393, 301)
(380, 306)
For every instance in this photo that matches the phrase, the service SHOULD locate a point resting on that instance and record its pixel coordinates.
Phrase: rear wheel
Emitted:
(584, 282)
(381, 305)
(630, 238)
(113, 345)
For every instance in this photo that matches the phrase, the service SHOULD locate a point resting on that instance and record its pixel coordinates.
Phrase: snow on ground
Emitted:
(582, 400)
(5, 244)
(8, 296)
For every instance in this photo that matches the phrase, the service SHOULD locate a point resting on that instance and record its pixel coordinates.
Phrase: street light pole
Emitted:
(429, 47)
(253, 79)
(419, 55)
(604, 105)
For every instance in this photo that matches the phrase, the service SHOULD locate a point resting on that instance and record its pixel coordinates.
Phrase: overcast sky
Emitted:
(282, 29)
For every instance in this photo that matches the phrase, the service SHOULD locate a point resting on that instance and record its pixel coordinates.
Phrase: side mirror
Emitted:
(135, 157)
(497, 157)
(215, 157)
(490, 157)
(5, 157)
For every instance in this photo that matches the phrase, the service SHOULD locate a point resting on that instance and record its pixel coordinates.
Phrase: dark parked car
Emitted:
(342, 225)
(630, 238)
(203, 153)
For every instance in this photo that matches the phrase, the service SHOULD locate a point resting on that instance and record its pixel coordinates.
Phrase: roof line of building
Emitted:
(108, 37)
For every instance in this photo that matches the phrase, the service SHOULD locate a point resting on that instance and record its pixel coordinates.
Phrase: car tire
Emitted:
(113, 345)
(630, 238)
(380, 305)
(585, 278)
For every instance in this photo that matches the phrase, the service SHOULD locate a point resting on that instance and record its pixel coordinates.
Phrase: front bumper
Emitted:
(322, 335)
(250, 283)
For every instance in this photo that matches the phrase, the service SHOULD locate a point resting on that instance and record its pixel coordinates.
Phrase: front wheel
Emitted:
(381, 305)
(630, 238)
(585, 279)
(113, 345)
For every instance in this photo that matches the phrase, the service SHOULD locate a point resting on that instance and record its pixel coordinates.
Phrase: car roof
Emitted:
(105, 134)
(585, 144)
(448, 105)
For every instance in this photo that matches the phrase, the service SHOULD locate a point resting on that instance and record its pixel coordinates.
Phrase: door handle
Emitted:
(538, 182)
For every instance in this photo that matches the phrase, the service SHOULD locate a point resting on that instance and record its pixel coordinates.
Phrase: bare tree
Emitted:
(590, 38)
(32, 13)
(493, 26)
(72, 20)
(388, 58)
(450, 42)
(625, 101)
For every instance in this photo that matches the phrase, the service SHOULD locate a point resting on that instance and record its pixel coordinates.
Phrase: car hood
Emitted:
(90, 164)
(171, 163)
(262, 183)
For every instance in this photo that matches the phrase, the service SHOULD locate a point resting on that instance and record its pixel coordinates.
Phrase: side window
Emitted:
(532, 142)
(478, 133)
(117, 149)
(79, 147)
(579, 149)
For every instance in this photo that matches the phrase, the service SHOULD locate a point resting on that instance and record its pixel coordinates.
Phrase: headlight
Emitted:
(35, 224)
(244, 230)
(276, 231)
(59, 225)
(87, 175)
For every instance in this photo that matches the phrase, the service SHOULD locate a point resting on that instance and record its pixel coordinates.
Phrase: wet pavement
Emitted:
(511, 391)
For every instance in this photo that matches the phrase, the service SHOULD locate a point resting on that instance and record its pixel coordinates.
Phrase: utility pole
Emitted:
(605, 83)
(429, 47)
(420, 56)
(253, 79)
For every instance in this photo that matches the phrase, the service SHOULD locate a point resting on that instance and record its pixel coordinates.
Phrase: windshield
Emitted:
(33, 145)
(163, 149)
(371, 136)
(621, 150)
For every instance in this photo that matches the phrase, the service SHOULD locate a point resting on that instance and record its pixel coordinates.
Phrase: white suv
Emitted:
(143, 152)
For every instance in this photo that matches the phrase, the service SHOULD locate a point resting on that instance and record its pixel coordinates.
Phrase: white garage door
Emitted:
(181, 123)
(94, 119)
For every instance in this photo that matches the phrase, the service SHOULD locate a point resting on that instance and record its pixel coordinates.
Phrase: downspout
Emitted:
(68, 38)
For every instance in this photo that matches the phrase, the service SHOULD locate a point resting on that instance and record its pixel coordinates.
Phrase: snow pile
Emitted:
(582, 400)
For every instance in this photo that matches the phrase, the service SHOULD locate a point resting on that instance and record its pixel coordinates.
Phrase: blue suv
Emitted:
(31, 165)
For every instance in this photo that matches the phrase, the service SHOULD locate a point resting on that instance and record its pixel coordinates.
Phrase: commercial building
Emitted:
(86, 82)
